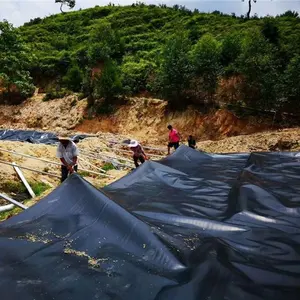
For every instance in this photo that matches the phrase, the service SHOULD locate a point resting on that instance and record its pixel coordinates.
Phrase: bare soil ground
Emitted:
(279, 140)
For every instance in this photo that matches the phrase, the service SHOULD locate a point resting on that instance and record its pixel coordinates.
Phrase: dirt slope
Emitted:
(55, 115)
(144, 118)
(147, 119)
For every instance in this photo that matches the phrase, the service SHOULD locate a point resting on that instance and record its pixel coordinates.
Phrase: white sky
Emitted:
(20, 11)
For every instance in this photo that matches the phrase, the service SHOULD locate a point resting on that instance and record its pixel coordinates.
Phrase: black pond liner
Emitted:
(193, 226)
(34, 137)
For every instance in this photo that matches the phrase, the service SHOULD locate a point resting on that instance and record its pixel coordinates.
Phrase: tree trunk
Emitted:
(61, 8)
(8, 94)
(249, 11)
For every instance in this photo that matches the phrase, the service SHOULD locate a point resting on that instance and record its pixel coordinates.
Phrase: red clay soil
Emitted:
(147, 119)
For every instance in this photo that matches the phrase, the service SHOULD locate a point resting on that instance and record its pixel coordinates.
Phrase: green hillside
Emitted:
(180, 55)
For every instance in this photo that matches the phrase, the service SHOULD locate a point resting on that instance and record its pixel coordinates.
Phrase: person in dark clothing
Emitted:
(192, 142)
(138, 152)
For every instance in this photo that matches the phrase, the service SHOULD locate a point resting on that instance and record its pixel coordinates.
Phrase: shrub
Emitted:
(56, 94)
(73, 79)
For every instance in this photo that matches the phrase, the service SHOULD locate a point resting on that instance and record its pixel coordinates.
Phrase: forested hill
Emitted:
(180, 55)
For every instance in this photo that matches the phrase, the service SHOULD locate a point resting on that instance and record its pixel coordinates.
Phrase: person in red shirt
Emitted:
(174, 138)
(138, 152)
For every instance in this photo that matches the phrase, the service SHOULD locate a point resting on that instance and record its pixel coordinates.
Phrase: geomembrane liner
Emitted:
(193, 226)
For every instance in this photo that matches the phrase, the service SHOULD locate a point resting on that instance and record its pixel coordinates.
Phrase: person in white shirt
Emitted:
(67, 152)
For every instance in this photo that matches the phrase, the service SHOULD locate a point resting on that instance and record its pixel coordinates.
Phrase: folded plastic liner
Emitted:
(193, 226)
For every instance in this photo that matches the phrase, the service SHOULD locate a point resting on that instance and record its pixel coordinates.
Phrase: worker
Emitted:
(174, 138)
(67, 152)
(138, 152)
(192, 142)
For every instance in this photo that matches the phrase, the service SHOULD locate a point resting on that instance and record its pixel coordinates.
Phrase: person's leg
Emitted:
(170, 145)
(142, 159)
(64, 173)
(76, 168)
(176, 145)
(136, 161)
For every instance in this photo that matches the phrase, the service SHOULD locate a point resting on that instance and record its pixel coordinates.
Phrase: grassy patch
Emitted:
(100, 186)
(84, 173)
(10, 186)
(108, 166)
(7, 214)
(39, 187)
(17, 187)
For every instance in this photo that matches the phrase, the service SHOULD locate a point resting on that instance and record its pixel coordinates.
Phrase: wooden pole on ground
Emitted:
(33, 170)
(13, 201)
(6, 208)
(25, 182)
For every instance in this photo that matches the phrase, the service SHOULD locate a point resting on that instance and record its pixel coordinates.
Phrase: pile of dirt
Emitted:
(54, 115)
(280, 140)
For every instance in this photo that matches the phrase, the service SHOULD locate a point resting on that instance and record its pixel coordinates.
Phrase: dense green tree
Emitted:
(73, 79)
(175, 70)
(289, 13)
(206, 58)
(15, 58)
(135, 75)
(231, 49)
(260, 68)
(291, 87)
(105, 43)
(270, 31)
(107, 84)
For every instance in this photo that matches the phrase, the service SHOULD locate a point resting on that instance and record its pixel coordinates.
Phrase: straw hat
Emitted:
(133, 143)
(64, 138)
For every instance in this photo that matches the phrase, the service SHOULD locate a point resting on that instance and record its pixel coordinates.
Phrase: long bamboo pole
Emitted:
(13, 201)
(30, 169)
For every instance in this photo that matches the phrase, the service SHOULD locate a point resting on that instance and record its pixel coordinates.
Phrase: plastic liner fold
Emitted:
(34, 137)
(193, 226)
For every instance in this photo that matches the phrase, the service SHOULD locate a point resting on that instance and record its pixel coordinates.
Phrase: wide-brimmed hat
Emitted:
(133, 143)
(64, 138)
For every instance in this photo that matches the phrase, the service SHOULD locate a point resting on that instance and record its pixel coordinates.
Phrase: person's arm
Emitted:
(59, 155)
(69, 167)
(75, 155)
(75, 159)
(143, 152)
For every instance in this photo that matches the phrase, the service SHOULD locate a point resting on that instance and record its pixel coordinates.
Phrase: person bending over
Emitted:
(192, 142)
(67, 152)
(174, 138)
(138, 152)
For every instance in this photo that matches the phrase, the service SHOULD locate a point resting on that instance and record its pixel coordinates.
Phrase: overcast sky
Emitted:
(20, 11)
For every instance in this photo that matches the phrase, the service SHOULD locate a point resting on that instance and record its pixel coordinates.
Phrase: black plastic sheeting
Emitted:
(32, 136)
(193, 226)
